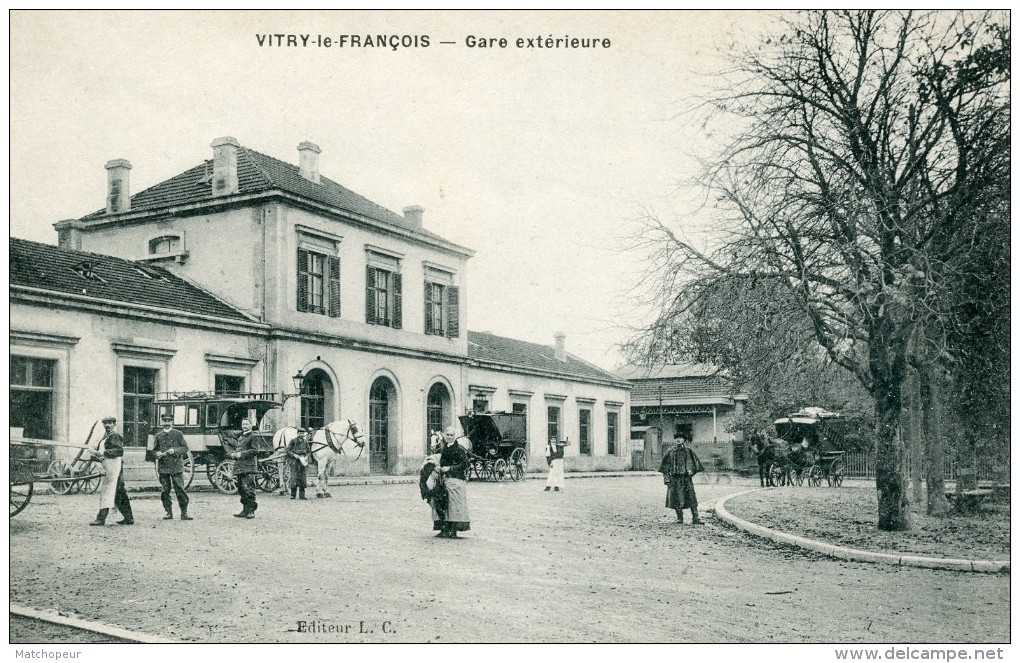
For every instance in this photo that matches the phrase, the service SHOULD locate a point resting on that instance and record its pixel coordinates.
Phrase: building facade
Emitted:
(688, 399)
(274, 269)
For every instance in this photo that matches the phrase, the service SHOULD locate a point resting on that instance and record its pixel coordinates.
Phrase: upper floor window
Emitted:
(164, 245)
(318, 283)
(383, 297)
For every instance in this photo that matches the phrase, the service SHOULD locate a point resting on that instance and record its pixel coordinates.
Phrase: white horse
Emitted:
(328, 444)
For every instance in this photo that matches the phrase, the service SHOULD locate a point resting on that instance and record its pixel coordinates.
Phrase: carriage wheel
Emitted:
(499, 469)
(285, 475)
(518, 464)
(836, 473)
(268, 477)
(484, 470)
(21, 495)
(189, 470)
(776, 475)
(90, 486)
(799, 476)
(58, 468)
(814, 478)
(223, 477)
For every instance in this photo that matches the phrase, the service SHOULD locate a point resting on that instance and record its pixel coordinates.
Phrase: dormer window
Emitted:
(165, 247)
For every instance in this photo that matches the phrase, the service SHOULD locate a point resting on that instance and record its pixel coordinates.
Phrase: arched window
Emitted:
(313, 401)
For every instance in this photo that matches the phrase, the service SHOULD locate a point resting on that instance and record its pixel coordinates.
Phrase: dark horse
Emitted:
(765, 454)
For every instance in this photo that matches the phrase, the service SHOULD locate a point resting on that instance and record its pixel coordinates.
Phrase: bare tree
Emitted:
(867, 144)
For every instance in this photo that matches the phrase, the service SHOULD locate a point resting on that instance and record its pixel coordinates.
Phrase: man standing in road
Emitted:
(298, 451)
(170, 450)
(112, 492)
(244, 455)
(678, 467)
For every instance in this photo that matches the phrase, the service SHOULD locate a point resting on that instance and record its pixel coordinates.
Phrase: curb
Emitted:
(854, 554)
(94, 627)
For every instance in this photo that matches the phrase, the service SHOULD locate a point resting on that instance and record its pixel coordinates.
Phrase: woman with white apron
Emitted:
(112, 492)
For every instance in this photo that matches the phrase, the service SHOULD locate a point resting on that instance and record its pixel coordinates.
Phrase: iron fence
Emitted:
(862, 464)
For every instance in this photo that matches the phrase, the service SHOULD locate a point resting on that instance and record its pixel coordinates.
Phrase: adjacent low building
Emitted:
(693, 399)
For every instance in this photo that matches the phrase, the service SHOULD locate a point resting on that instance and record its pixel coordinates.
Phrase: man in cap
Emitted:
(170, 450)
(298, 451)
(245, 466)
(678, 467)
(112, 492)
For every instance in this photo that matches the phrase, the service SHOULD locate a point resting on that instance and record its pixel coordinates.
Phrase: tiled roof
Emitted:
(484, 346)
(260, 173)
(688, 382)
(52, 268)
(680, 388)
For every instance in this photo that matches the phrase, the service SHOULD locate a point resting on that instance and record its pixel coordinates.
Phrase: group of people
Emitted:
(443, 477)
(169, 451)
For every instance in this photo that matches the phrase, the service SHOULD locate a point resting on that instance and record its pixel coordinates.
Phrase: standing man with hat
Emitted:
(678, 467)
(245, 466)
(298, 451)
(112, 492)
(170, 451)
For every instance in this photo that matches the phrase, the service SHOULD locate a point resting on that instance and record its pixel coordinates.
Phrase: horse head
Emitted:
(341, 436)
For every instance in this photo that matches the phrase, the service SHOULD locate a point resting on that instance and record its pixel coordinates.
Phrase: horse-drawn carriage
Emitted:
(499, 442)
(210, 424)
(805, 450)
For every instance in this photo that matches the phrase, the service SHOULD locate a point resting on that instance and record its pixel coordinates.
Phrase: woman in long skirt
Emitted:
(453, 464)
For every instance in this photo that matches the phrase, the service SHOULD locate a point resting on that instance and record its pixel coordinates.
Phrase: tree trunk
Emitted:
(887, 361)
(918, 457)
(934, 440)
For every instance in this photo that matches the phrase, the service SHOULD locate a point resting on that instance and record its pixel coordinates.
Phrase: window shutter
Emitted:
(453, 311)
(398, 308)
(302, 280)
(429, 325)
(369, 294)
(334, 287)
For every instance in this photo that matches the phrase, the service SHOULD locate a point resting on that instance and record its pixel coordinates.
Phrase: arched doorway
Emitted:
(382, 403)
(317, 399)
(438, 410)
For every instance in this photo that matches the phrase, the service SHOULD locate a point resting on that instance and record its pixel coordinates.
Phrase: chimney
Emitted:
(561, 348)
(118, 193)
(309, 153)
(224, 166)
(413, 214)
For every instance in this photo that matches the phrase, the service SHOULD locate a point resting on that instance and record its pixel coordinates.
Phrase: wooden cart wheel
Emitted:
(189, 470)
(59, 468)
(223, 477)
(836, 473)
(267, 479)
(799, 476)
(285, 476)
(518, 464)
(814, 478)
(21, 495)
(499, 469)
(90, 486)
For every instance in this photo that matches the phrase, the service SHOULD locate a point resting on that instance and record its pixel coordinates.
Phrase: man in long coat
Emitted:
(298, 452)
(678, 467)
(245, 466)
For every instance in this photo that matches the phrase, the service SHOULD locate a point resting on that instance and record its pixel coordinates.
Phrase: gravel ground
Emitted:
(848, 516)
(601, 562)
(25, 629)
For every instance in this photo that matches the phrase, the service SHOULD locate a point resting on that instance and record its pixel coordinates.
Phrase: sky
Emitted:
(538, 159)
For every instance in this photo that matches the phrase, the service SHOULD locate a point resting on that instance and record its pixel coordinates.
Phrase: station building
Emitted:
(244, 271)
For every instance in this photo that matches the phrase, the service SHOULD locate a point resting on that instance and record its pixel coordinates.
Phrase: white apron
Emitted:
(556, 476)
(108, 485)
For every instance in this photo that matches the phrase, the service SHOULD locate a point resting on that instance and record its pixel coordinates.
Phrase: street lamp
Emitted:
(299, 380)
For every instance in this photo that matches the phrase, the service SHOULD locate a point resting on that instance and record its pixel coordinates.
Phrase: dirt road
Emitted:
(601, 562)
